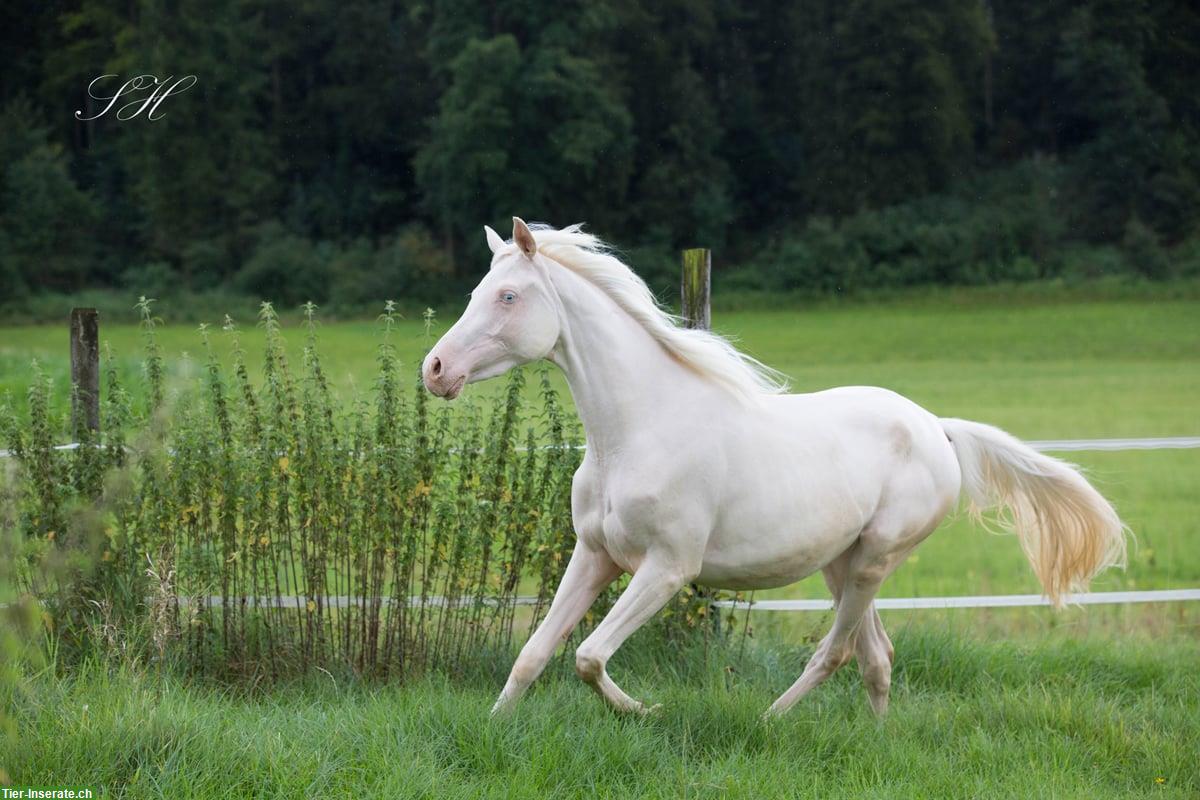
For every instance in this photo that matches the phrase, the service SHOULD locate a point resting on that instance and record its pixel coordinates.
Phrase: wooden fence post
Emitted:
(85, 369)
(696, 310)
(696, 286)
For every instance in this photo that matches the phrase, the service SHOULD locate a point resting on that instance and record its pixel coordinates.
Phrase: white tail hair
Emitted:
(1068, 531)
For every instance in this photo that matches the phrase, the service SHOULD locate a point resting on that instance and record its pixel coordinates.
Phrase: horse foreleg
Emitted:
(648, 591)
(587, 574)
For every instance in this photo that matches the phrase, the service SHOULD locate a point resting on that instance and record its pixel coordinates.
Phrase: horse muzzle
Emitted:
(440, 380)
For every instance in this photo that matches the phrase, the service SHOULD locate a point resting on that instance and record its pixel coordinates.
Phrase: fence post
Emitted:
(85, 369)
(696, 287)
(694, 292)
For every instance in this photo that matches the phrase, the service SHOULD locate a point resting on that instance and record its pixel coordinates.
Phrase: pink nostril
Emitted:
(435, 367)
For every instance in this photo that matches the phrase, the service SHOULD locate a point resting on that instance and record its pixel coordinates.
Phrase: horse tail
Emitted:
(1068, 531)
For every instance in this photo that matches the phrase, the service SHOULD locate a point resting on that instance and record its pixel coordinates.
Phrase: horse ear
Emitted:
(493, 239)
(524, 237)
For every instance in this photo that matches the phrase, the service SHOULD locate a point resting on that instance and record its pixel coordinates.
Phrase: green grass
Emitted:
(1073, 368)
(1095, 702)
(1038, 718)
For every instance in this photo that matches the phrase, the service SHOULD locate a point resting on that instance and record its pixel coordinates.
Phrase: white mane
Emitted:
(709, 354)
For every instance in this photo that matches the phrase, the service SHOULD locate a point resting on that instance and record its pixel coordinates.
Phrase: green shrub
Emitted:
(157, 279)
(286, 267)
(1187, 258)
(182, 534)
(409, 265)
(1144, 252)
(999, 227)
(204, 264)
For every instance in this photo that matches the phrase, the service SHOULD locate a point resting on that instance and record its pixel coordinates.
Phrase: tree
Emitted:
(889, 108)
(1128, 161)
(1027, 95)
(46, 220)
(204, 171)
(664, 54)
(480, 161)
(464, 169)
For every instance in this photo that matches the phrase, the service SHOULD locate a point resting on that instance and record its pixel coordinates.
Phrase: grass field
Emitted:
(1053, 718)
(1072, 368)
(1096, 702)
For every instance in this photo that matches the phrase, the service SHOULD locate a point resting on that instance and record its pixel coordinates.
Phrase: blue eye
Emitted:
(508, 297)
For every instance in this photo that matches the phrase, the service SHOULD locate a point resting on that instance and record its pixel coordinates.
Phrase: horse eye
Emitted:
(508, 297)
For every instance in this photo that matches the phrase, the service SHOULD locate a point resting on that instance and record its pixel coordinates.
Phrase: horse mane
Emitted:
(710, 355)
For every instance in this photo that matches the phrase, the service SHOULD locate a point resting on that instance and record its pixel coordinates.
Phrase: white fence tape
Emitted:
(1159, 443)
(1053, 445)
(886, 603)
(982, 601)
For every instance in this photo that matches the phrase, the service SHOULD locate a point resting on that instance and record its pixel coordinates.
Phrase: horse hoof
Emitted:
(636, 709)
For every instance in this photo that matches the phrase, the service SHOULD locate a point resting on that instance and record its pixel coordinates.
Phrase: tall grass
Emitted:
(236, 527)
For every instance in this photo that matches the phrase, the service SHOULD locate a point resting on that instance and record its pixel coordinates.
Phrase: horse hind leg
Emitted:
(854, 579)
(872, 647)
(914, 503)
(875, 656)
(838, 646)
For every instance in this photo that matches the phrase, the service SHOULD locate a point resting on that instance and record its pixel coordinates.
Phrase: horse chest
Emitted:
(609, 515)
(588, 504)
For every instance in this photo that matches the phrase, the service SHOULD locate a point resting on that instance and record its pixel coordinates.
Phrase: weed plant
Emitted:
(264, 528)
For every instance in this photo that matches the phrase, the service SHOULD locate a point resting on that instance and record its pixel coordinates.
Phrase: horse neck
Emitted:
(620, 377)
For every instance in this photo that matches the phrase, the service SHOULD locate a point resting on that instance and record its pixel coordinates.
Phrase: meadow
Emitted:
(1048, 366)
(1042, 364)
(1060, 717)
(1094, 702)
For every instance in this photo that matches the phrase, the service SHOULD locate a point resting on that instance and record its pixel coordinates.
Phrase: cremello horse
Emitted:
(700, 468)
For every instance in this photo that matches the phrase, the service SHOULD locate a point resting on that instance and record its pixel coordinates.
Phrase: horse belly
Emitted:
(734, 563)
(779, 543)
(794, 504)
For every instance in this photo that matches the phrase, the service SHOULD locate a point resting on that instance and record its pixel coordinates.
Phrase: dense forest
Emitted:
(349, 150)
